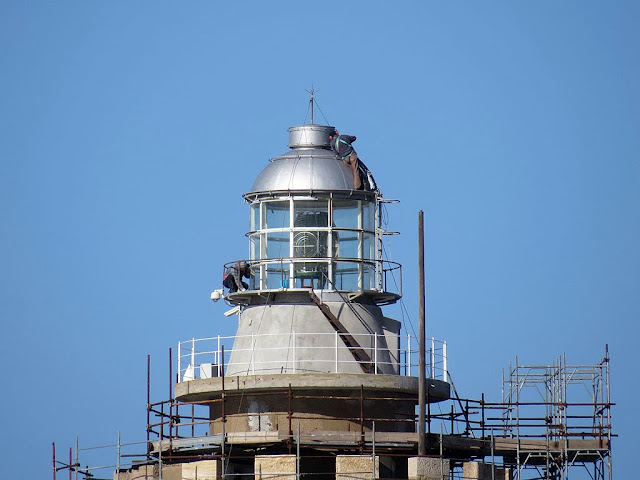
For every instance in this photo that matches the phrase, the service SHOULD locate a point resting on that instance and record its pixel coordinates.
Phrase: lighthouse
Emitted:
(314, 356)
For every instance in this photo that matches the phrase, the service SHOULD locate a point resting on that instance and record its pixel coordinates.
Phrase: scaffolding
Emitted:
(548, 400)
(551, 420)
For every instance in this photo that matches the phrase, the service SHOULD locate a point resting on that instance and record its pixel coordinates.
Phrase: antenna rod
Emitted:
(311, 102)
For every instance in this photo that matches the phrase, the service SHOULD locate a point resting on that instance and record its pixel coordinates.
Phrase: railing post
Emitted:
(193, 356)
(409, 354)
(444, 361)
(375, 353)
(433, 357)
(179, 364)
(336, 336)
(218, 362)
(78, 459)
(118, 465)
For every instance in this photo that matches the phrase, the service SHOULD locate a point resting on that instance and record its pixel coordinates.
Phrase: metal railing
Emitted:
(339, 274)
(203, 357)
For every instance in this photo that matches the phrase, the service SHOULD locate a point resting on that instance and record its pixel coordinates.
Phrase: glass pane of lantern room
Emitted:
(276, 214)
(346, 276)
(254, 246)
(311, 213)
(277, 275)
(368, 220)
(277, 244)
(368, 277)
(310, 274)
(254, 217)
(345, 214)
(368, 250)
(347, 243)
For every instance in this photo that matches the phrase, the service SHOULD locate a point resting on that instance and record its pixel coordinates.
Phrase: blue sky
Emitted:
(130, 130)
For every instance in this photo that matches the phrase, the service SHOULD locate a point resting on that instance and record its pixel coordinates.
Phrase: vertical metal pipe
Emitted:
(218, 357)
(77, 458)
(160, 461)
(118, 459)
(433, 359)
(171, 398)
(373, 449)
(608, 407)
(375, 352)
(290, 418)
(224, 433)
(445, 374)
(54, 460)
(408, 368)
(482, 424)
(428, 415)
(361, 418)
(298, 453)
(179, 361)
(493, 459)
(452, 419)
(70, 461)
(422, 446)
(193, 357)
(161, 422)
(149, 403)
(442, 454)
(336, 342)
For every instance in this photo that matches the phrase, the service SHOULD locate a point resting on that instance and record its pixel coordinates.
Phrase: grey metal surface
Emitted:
(305, 169)
(310, 136)
(309, 165)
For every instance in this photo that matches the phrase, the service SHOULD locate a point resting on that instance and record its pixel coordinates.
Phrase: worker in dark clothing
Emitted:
(233, 277)
(341, 146)
(362, 177)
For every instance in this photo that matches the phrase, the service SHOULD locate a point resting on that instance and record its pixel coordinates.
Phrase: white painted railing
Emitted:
(206, 357)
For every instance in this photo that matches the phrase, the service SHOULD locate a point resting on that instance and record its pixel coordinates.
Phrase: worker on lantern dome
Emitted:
(343, 148)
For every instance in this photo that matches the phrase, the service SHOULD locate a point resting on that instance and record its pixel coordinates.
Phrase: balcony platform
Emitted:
(259, 297)
(212, 388)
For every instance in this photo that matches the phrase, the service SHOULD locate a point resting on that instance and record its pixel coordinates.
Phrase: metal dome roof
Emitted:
(309, 165)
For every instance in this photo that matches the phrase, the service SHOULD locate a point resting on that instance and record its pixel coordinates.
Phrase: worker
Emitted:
(362, 176)
(341, 146)
(233, 277)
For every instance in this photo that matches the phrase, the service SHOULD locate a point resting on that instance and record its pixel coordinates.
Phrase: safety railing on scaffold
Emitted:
(201, 358)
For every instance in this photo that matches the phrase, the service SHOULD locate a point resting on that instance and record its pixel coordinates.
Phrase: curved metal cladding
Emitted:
(309, 166)
(304, 170)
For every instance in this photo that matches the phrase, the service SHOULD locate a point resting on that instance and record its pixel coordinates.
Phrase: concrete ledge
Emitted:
(211, 388)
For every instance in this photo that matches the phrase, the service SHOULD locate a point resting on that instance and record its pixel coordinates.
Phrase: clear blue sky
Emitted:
(129, 131)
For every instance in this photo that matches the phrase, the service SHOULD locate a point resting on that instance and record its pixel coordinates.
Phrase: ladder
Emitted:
(362, 357)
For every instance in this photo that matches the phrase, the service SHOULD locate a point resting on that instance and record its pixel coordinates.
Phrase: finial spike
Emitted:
(311, 101)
